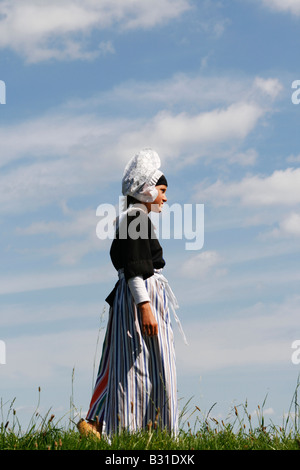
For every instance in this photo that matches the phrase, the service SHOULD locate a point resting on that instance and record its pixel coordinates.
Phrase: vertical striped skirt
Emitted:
(136, 382)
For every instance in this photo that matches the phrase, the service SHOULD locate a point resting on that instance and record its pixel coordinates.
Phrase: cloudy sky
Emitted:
(209, 85)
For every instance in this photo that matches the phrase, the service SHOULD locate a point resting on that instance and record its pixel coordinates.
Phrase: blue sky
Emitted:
(208, 85)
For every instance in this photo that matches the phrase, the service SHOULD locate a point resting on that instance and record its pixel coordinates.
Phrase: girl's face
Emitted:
(156, 206)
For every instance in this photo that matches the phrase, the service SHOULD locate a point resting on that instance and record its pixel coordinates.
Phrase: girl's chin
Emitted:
(156, 208)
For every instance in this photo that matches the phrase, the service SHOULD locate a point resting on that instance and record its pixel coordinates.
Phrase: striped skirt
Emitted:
(136, 382)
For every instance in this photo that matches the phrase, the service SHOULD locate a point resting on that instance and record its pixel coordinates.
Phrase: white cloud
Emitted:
(280, 188)
(291, 6)
(69, 151)
(28, 314)
(69, 155)
(47, 356)
(73, 130)
(75, 223)
(293, 159)
(289, 226)
(198, 266)
(245, 158)
(77, 228)
(234, 122)
(57, 156)
(259, 335)
(34, 281)
(182, 135)
(270, 86)
(54, 134)
(244, 273)
(60, 30)
(199, 92)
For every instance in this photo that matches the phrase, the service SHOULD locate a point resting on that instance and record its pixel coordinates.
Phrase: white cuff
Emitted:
(138, 289)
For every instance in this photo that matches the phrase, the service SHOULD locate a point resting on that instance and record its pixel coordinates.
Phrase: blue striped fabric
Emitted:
(136, 382)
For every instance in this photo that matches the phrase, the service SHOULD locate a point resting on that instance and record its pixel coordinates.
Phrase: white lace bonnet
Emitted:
(140, 176)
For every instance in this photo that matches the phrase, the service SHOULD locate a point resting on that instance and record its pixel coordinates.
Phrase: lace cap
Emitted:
(140, 176)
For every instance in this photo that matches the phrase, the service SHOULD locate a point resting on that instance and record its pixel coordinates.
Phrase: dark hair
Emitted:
(130, 200)
(162, 180)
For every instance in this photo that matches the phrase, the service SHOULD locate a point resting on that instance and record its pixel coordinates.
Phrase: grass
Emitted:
(237, 433)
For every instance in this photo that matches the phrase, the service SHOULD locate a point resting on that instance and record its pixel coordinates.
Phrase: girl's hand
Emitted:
(149, 323)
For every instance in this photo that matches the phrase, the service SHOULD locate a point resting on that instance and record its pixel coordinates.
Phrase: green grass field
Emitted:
(56, 439)
(47, 433)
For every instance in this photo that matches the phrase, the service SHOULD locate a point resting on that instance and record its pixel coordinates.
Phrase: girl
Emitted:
(136, 382)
